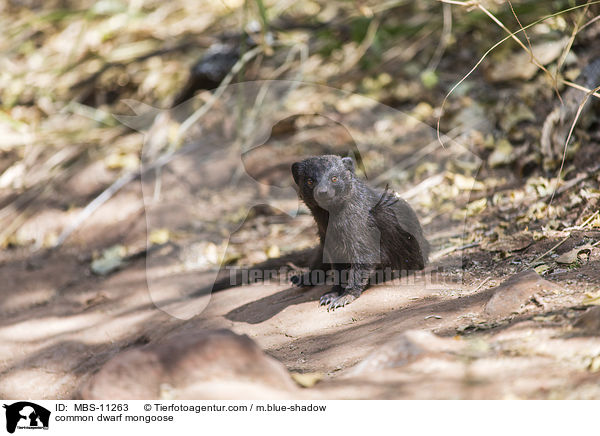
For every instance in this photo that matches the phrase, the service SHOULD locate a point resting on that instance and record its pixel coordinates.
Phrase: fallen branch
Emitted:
(579, 227)
(449, 250)
(572, 183)
(161, 161)
(537, 259)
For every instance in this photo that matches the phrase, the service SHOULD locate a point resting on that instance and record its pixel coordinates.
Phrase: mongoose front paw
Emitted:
(340, 301)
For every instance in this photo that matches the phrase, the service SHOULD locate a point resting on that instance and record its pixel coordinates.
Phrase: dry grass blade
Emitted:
(417, 156)
(566, 51)
(492, 48)
(553, 78)
(302, 50)
(594, 92)
(562, 241)
(537, 259)
(574, 182)
(364, 45)
(444, 39)
(94, 205)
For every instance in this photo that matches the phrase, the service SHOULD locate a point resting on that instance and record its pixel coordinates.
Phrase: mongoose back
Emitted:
(361, 229)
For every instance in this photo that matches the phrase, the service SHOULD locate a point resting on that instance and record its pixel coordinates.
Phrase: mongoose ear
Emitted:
(296, 171)
(348, 163)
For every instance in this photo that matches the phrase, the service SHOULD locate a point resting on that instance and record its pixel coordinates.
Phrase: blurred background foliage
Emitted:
(66, 66)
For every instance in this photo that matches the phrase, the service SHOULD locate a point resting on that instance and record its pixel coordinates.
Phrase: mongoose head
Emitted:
(324, 181)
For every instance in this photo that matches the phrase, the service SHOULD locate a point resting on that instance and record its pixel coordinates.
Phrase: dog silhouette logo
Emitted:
(26, 415)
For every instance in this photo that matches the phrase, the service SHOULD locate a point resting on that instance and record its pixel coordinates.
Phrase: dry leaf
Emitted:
(273, 251)
(541, 269)
(159, 236)
(476, 207)
(503, 154)
(111, 260)
(308, 379)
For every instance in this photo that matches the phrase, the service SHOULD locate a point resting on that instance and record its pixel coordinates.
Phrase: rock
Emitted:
(590, 320)
(192, 365)
(515, 292)
(403, 350)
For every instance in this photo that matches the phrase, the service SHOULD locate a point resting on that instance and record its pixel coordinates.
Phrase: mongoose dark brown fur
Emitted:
(361, 230)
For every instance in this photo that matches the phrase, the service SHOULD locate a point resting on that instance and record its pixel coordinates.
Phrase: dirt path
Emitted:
(446, 338)
(60, 328)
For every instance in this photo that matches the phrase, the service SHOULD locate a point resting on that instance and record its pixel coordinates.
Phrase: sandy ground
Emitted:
(463, 335)
(60, 324)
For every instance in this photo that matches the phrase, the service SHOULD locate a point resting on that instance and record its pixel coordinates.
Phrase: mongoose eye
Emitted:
(334, 179)
(309, 182)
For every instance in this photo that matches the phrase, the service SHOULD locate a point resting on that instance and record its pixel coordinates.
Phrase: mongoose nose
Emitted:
(322, 193)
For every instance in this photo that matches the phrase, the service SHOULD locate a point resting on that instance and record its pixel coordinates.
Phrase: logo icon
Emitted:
(26, 415)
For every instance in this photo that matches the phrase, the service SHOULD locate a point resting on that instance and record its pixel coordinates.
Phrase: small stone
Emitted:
(515, 292)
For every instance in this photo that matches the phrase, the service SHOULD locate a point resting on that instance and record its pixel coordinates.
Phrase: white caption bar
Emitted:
(89, 418)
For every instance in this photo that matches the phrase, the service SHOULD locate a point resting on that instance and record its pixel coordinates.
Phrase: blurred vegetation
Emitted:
(68, 65)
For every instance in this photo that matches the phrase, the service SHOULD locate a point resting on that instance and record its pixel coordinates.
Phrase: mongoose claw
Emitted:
(328, 298)
(341, 301)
